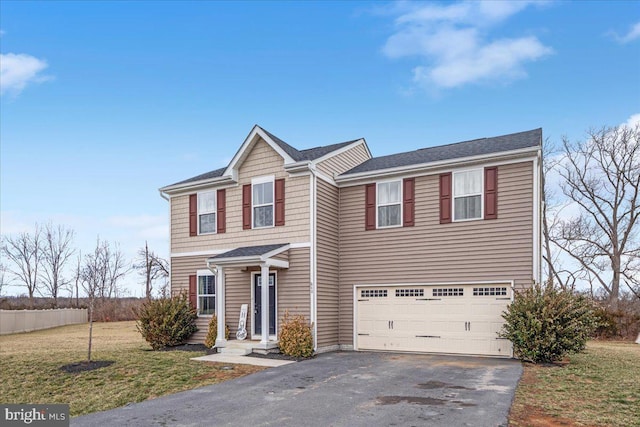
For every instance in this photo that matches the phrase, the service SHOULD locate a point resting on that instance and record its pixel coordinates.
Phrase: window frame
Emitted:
(199, 274)
(258, 181)
(454, 197)
(400, 202)
(214, 212)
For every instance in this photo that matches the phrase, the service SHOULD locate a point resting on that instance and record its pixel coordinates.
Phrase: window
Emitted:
(373, 293)
(467, 195)
(489, 291)
(389, 204)
(409, 292)
(206, 294)
(262, 197)
(207, 212)
(448, 292)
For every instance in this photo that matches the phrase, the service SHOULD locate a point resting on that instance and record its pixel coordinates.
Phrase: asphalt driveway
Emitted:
(340, 389)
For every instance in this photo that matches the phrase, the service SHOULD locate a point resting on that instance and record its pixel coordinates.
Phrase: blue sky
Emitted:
(104, 102)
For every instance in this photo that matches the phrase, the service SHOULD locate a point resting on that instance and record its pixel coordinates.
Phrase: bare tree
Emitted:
(151, 267)
(602, 178)
(101, 271)
(3, 277)
(24, 253)
(56, 251)
(77, 271)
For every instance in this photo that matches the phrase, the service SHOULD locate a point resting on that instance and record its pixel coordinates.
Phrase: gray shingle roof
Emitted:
(476, 147)
(248, 251)
(295, 154)
(207, 175)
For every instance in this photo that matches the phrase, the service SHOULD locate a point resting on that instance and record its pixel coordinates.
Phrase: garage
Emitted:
(457, 319)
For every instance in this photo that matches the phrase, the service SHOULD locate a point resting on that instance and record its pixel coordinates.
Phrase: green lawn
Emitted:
(30, 368)
(600, 387)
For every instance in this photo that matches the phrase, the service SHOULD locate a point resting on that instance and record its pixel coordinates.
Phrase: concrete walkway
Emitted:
(242, 360)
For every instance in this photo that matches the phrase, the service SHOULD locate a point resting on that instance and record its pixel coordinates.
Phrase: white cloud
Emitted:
(633, 34)
(453, 42)
(19, 70)
(633, 121)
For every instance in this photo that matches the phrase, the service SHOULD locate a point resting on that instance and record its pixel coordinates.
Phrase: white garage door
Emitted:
(460, 319)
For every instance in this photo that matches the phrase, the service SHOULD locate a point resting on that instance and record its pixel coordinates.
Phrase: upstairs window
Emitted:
(262, 202)
(467, 195)
(206, 294)
(389, 204)
(207, 207)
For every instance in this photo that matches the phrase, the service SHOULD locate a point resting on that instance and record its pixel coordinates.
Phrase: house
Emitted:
(418, 251)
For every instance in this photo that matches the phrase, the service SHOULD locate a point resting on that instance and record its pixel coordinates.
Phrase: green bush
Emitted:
(212, 334)
(295, 336)
(545, 324)
(166, 322)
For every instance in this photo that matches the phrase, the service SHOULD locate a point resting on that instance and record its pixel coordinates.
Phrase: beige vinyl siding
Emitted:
(345, 161)
(327, 267)
(261, 161)
(181, 269)
(292, 288)
(430, 252)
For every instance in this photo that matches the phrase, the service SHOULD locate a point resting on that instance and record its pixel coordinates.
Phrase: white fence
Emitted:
(12, 321)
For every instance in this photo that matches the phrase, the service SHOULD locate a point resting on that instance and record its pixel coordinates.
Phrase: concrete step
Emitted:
(235, 351)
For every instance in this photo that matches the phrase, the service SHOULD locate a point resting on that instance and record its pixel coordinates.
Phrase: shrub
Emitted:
(544, 324)
(607, 324)
(295, 336)
(212, 334)
(167, 322)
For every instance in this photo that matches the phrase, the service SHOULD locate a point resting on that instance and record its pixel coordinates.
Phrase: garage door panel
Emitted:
(461, 319)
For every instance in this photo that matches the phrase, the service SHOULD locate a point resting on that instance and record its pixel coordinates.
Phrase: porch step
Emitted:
(237, 348)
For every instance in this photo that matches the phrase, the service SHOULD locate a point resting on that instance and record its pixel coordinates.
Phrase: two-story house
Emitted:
(418, 251)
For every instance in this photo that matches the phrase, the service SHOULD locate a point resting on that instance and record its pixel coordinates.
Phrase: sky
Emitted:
(102, 103)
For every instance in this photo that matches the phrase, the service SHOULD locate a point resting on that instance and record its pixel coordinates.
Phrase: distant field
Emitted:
(600, 387)
(30, 368)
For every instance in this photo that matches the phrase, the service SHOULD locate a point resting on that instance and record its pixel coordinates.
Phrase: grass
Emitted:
(600, 387)
(30, 368)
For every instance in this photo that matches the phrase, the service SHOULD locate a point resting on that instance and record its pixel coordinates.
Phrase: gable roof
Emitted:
(249, 251)
(293, 153)
(476, 147)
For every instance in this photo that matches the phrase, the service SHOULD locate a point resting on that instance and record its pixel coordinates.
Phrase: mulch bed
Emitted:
(187, 347)
(74, 368)
(279, 356)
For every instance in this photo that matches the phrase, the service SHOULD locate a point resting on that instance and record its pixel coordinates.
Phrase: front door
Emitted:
(257, 309)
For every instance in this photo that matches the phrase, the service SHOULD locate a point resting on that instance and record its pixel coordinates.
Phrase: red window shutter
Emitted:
(221, 217)
(279, 201)
(193, 294)
(491, 193)
(370, 207)
(409, 202)
(445, 198)
(246, 207)
(193, 214)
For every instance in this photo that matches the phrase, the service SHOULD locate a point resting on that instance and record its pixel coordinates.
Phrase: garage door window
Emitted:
(448, 292)
(409, 292)
(373, 293)
(489, 291)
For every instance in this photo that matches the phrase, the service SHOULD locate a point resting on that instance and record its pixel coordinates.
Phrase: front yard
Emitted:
(30, 368)
(600, 387)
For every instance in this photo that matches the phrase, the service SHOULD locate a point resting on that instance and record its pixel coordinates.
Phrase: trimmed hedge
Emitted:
(295, 339)
(167, 322)
(212, 334)
(545, 324)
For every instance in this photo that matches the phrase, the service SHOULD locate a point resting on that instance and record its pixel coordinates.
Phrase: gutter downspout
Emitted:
(313, 256)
